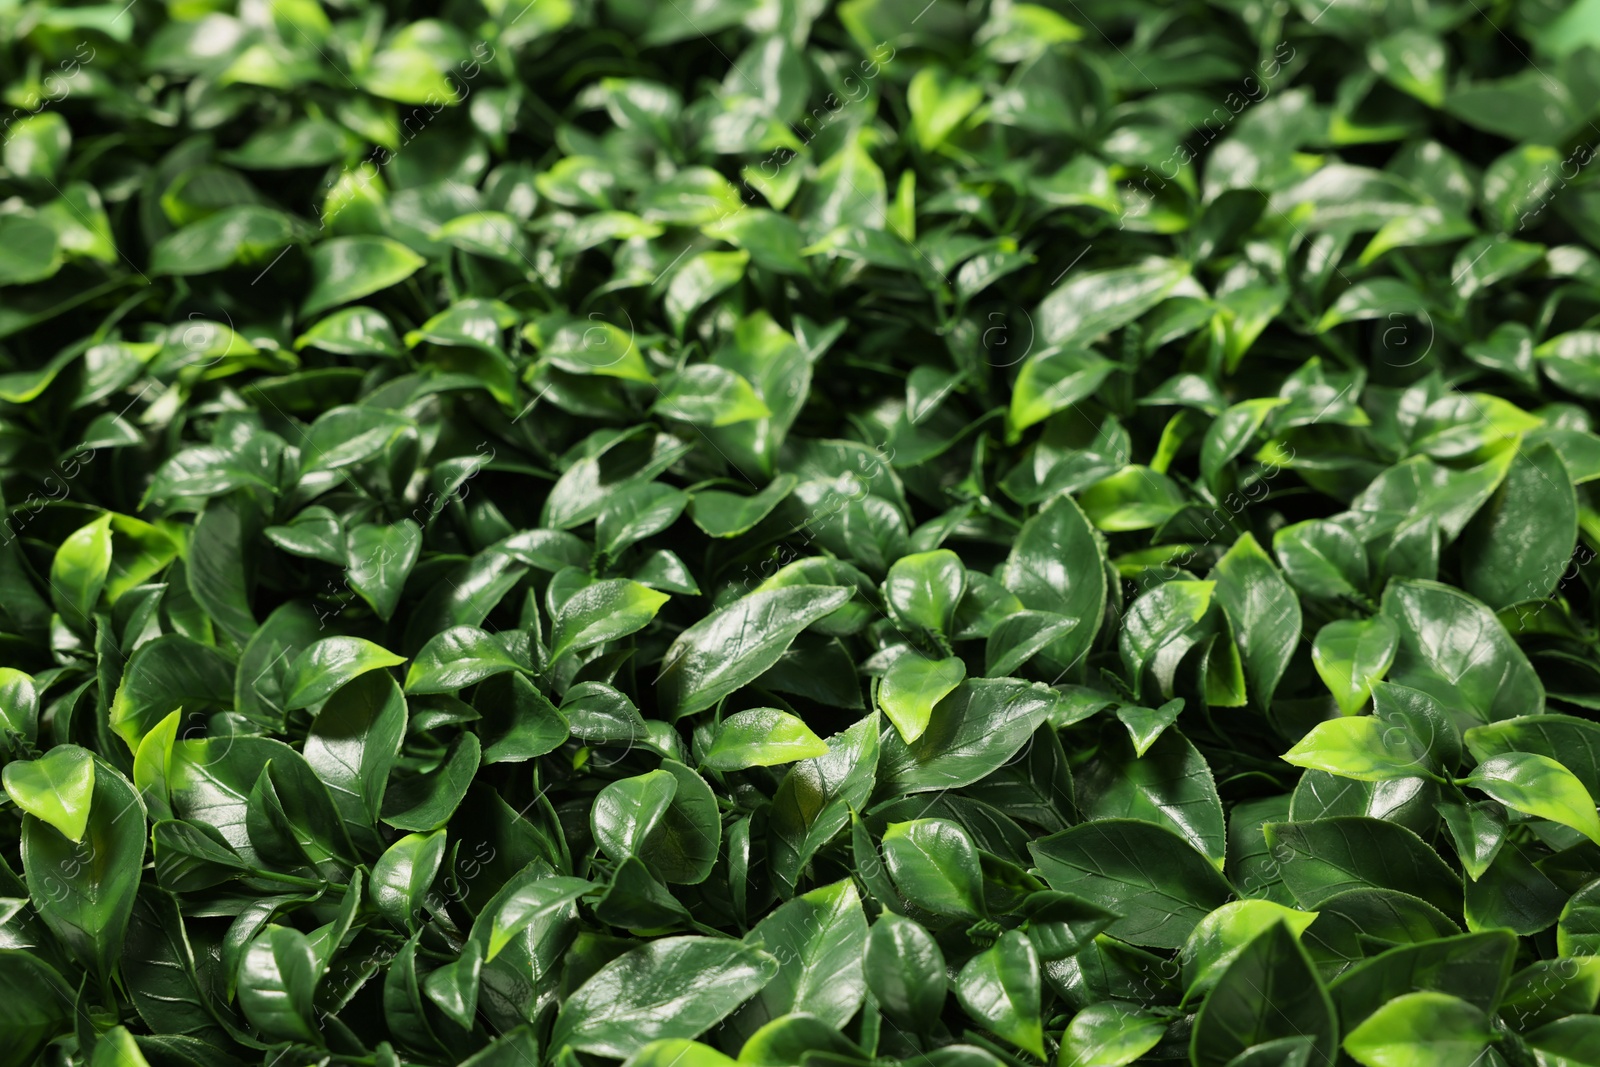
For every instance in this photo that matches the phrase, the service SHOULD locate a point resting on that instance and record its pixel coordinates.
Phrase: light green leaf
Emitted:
(761, 737)
(1420, 1030)
(1538, 786)
(912, 687)
(56, 788)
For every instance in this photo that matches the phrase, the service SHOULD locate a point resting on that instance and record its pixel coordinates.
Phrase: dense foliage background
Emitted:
(964, 534)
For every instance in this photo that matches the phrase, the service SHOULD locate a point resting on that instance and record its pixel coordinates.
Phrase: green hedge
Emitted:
(963, 534)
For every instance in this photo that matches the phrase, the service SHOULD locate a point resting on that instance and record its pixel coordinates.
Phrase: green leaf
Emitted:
(38, 1004)
(625, 812)
(84, 890)
(1147, 725)
(722, 514)
(19, 704)
(55, 788)
(773, 240)
(1055, 565)
(1322, 559)
(531, 898)
(79, 570)
(1538, 786)
(1269, 991)
(403, 874)
(31, 250)
(355, 331)
(732, 646)
(924, 589)
(1414, 62)
(1420, 1030)
(1478, 830)
(1160, 629)
(1111, 1033)
(708, 395)
(678, 1052)
(1454, 649)
(816, 797)
(1168, 784)
(1052, 380)
(277, 983)
(1264, 612)
(761, 737)
(37, 146)
(1360, 747)
(677, 987)
(604, 611)
(1474, 967)
(425, 802)
(971, 733)
(380, 559)
(1573, 742)
(353, 746)
(1019, 637)
(592, 347)
(698, 280)
(667, 818)
(905, 971)
(1572, 361)
(348, 268)
(939, 104)
(934, 864)
(911, 688)
(163, 675)
(1000, 989)
(321, 670)
(246, 233)
(1517, 546)
(1231, 434)
(1092, 303)
(1350, 655)
(1327, 857)
(1152, 878)
(117, 1048)
(1226, 933)
(458, 657)
(519, 722)
(819, 939)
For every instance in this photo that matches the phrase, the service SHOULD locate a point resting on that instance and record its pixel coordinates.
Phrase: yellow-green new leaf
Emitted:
(1538, 786)
(911, 688)
(761, 737)
(1420, 1030)
(55, 788)
(1350, 655)
(1359, 747)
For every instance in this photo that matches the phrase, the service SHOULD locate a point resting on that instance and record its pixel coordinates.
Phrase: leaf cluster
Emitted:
(790, 534)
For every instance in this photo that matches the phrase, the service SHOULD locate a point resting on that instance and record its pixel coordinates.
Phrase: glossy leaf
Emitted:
(1268, 992)
(319, 671)
(1538, 786)
(912, 687)
(677, 987)
(934, 864)
(1351, 655)
(761, 737)
(56, 788)
(731, 647)
(905, 971)
(85, 890)
(1157, 883)
(1424, 1029)
(1000, 988)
